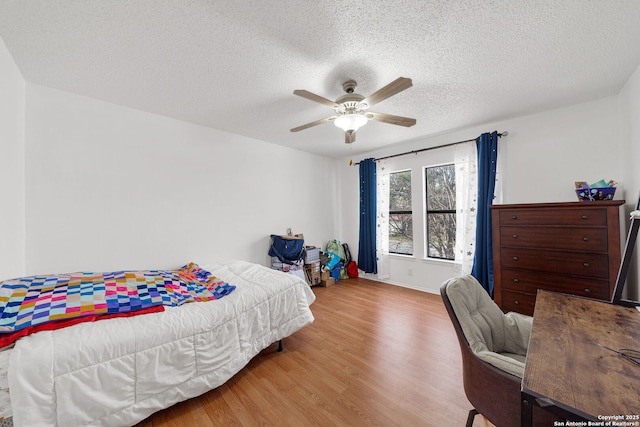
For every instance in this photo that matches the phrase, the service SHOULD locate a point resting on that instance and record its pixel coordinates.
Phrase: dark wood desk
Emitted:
(566, 365)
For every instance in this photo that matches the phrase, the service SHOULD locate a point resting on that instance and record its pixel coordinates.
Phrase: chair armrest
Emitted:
(517, 329)
(504, 363)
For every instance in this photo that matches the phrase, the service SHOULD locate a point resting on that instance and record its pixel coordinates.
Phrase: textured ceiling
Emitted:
(233, 65)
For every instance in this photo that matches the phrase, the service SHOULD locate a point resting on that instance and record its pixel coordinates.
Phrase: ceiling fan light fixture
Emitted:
(351, 109)
(352, 122)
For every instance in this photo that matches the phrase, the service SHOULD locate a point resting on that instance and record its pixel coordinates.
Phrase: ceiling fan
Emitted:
(351, 109)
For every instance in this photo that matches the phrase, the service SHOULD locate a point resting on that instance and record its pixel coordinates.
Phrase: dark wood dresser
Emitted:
(571, 247)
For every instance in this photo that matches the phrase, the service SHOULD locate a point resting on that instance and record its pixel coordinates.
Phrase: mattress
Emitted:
(118, 371)
(5, 399)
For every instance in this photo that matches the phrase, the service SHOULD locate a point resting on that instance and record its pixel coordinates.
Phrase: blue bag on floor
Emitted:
(334, 260)
(335, 271)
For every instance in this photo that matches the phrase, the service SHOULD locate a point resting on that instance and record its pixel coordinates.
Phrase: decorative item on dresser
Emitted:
(571, 247)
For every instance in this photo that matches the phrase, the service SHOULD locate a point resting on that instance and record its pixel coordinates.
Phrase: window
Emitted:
(441, 211)
(400, 213)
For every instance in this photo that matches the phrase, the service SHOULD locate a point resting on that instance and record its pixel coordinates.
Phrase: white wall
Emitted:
(630, 137)
(542, 157)
(12, 172)
(109, 187)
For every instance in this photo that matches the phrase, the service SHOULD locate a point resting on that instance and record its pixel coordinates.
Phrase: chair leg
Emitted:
(472, 414)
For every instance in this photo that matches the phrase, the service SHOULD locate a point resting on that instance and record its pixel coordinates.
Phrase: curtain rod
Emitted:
(505, 133)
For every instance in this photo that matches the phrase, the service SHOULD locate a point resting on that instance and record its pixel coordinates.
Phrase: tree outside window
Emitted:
(441, 211)
(400, 213)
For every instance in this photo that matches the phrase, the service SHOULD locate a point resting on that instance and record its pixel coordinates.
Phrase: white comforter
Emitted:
(117, 372)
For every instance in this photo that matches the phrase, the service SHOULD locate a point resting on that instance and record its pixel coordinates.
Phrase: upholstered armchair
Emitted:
(494, 348)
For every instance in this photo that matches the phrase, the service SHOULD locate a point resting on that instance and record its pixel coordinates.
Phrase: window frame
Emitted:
(428, 212)
(402, 212)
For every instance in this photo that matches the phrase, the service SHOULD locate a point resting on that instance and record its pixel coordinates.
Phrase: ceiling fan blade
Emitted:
(349, 137)
(391, 119)
(313, 97)
(396, 86)
(312, 124)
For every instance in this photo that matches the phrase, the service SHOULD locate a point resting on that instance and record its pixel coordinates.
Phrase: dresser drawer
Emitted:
(589, 265)
(531, 281)
(570, 238)
(519, 302)
(569, 217)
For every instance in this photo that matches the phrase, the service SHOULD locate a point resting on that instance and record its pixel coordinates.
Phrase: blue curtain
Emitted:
(367, 260)
(482, 270)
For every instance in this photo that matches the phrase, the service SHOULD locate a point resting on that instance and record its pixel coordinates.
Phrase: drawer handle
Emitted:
(516, 302)
(516, 280)
(586, 265)
(514, 217)
(515, 236)
(584, 217)
(515, 258)
(587, 290)
(585, 239)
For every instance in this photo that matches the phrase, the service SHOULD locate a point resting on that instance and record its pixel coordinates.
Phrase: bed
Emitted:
(118, 371)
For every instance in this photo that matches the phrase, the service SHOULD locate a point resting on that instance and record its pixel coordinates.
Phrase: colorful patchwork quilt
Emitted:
(26, 302)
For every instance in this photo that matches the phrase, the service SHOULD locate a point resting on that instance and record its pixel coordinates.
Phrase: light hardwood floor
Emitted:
(376, 355)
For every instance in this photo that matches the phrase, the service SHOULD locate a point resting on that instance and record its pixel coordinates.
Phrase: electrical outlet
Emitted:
(410, 271)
